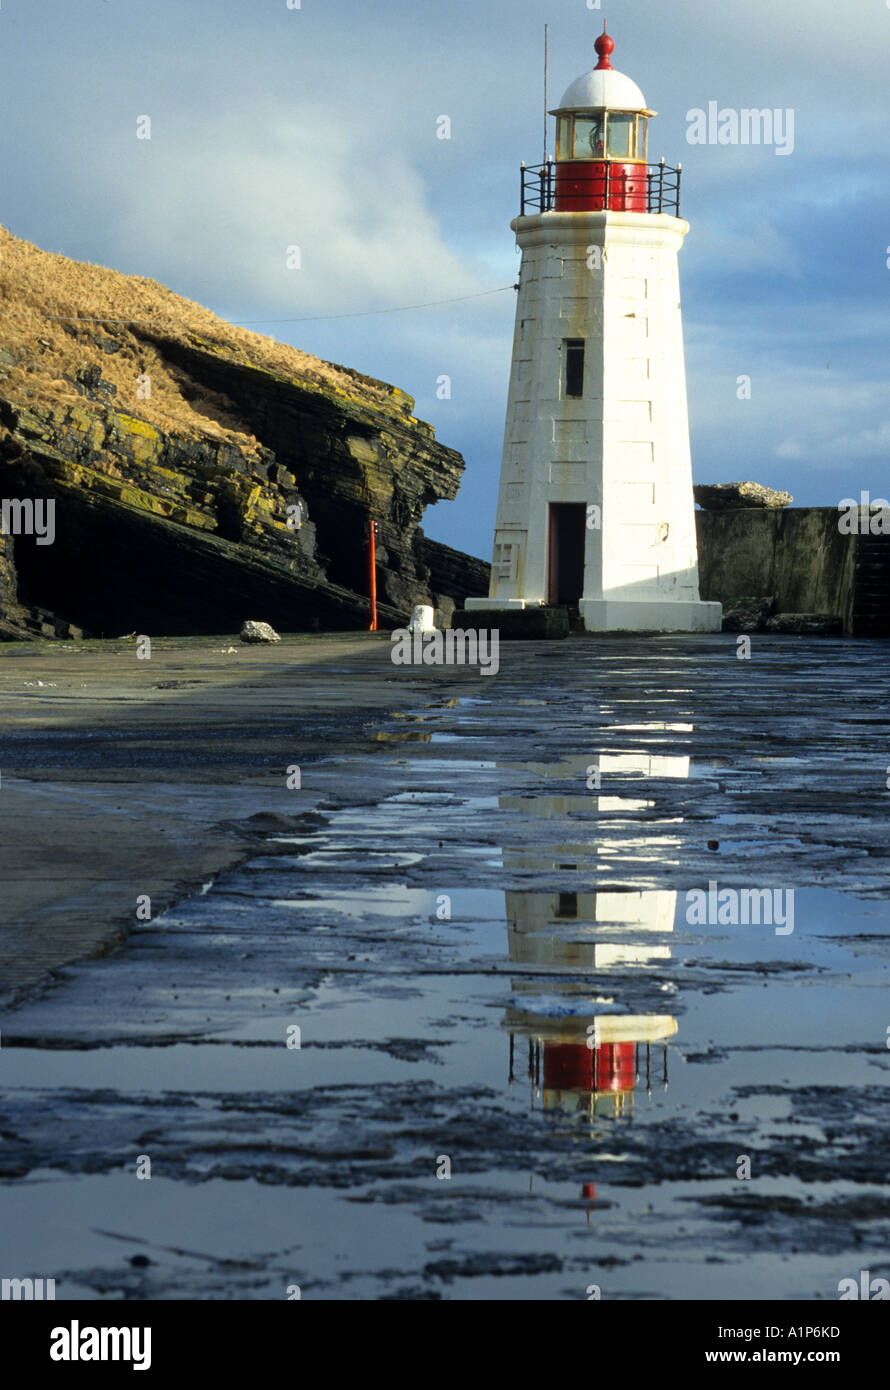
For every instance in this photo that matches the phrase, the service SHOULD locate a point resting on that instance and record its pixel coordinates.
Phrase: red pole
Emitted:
(373, 561)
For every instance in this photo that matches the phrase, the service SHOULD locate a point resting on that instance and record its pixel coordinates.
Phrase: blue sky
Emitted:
(317, 127)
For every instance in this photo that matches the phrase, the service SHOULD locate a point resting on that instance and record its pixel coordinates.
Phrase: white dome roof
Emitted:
(602, 87)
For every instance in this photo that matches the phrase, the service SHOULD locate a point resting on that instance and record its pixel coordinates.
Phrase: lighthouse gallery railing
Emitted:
(538, 187)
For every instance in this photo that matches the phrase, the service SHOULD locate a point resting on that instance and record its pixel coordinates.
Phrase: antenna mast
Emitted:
(545, 93)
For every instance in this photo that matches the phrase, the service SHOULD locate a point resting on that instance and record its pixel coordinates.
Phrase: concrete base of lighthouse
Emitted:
(622, 615)
(498, 603)
(617, 615)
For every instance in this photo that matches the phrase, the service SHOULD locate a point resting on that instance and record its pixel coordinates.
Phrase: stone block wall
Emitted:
(799, 556)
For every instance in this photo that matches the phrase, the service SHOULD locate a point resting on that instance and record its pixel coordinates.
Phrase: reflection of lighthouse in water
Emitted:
(581, 1056)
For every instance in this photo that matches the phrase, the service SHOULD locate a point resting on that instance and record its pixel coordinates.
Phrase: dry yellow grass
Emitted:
(53, 310)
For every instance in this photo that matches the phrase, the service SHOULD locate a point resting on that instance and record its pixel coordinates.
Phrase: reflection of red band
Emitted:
(577, 1067)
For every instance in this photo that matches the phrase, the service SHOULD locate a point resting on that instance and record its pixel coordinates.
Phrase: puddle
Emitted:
(492, 967)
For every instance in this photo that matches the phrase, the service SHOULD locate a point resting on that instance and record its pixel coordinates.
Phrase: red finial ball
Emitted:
(604, 46)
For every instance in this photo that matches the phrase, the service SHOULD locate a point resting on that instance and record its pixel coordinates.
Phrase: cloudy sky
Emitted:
(317, 126)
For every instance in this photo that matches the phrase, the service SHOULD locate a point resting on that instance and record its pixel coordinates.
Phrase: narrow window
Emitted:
(568, 905)
(573, 349)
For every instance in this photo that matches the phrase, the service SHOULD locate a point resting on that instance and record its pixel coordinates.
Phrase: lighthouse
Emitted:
(595, 509)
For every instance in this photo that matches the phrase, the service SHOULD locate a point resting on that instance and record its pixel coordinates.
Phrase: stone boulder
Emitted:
(445, 607)
(748, 614)
(258, 632)
(724, 497)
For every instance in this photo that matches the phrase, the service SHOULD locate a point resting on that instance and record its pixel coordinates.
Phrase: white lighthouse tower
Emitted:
(595, 508)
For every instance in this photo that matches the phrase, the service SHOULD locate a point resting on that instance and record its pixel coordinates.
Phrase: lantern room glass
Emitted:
(618, 135)
(589, 137)
(621, 130)
(641, 143)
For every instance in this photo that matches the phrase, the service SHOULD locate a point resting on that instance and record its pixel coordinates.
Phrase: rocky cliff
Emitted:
(200, 474)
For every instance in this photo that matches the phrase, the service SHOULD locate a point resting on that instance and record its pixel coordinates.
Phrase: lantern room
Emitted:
(602, 140)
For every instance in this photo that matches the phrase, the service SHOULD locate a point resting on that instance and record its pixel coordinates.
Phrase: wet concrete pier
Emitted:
(566, 979)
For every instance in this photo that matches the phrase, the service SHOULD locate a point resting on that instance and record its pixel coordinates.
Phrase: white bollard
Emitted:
(422, 619)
